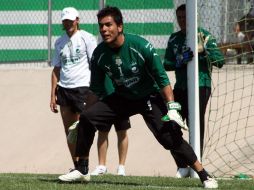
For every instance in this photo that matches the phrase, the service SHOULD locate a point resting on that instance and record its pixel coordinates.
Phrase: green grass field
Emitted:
(50, 182)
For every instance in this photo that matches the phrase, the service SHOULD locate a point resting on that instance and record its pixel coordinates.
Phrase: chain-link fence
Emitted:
(30, 28)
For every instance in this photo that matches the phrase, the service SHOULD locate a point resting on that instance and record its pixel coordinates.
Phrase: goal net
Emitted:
(229, 142)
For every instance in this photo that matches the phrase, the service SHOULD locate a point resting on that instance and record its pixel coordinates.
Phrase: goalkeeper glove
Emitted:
(72, 133)
(183, 58)
(173, 114)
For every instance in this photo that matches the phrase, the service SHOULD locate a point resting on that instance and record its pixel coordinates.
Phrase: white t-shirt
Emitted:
(73, 55)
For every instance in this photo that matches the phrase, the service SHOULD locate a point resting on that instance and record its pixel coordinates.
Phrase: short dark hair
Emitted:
(182, 7)
(111, 11)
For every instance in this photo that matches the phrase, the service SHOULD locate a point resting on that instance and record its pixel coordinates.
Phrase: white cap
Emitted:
(69, 13)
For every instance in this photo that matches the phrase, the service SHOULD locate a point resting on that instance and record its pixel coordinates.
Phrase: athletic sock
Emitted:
(82, 166)
(203, 175)
(75, 164)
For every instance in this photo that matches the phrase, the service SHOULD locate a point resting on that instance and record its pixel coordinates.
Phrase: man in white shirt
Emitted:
(70, 77)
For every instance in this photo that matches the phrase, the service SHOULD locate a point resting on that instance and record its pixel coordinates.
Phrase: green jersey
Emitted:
(211, 55)
(135, 68)
(109, 88)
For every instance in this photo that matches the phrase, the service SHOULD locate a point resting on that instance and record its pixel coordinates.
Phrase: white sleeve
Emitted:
(91, 44)
(56, 61)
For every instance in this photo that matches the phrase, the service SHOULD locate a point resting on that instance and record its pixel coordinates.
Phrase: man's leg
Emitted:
(123, 142)
(102, 148)
(85, 137)
(68, 118)
(169, 135)
(122, 138)
(102, 145)
(182, 168)
(204, 95)
(121, 127)
(99, 115)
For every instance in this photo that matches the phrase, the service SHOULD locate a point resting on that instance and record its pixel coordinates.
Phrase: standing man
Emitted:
(141, 87)
(121, 128)
(70, 78)
(103, 144)
(176, 58)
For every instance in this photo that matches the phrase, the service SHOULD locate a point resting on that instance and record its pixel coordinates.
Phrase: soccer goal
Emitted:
(229, 138)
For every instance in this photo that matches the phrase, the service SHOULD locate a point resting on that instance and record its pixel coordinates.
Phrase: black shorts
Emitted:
(121, 124)
(75, 98)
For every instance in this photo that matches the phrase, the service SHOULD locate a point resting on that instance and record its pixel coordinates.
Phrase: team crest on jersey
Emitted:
(77, 50)
(118, 61)
(131, 81)
(134, 69)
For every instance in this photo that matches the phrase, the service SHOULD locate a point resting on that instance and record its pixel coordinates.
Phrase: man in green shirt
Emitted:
(176, 58)
(141, 87)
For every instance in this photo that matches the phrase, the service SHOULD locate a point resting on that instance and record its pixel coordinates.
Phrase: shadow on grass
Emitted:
(97, 181)
(121, 182)
(100, 182)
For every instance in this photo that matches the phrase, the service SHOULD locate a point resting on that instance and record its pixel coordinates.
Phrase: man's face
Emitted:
(109, 30)
(181, 19)
(70, 26)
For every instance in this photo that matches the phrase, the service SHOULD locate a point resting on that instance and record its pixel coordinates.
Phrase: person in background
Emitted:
(141, 87)
(177, 56)
(121, 128)
(102, 146)
(70, 78)
(244, 30)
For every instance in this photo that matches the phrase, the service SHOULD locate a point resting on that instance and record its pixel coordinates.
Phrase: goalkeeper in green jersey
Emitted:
(141, 87)
(177, 57)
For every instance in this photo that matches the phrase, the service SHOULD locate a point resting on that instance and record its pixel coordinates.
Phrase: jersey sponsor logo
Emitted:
(127, 82)
(70, 60)
(131, 81)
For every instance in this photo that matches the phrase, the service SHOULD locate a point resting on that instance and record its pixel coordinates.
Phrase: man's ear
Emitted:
(120, 28)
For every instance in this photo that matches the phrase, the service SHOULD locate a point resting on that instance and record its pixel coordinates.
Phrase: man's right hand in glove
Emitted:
(173, 114)
(183, 58)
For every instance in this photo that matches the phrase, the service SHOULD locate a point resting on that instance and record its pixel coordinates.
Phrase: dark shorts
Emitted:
(123, 124)
(75, 98)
